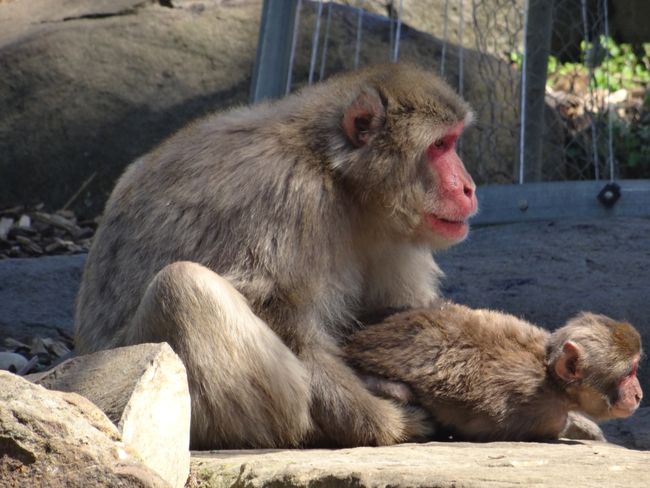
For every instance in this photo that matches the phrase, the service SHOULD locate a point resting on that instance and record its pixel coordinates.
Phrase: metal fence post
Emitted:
(273, 60)
(538, 46)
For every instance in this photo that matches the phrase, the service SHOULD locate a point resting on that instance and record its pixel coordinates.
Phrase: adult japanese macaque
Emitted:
(488, 376)
(251, 239)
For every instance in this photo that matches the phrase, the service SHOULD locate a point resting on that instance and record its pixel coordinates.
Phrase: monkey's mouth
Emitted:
(623, 409)
(447, 228)
(622, 412)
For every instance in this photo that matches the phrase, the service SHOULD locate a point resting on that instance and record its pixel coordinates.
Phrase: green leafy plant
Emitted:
(609, 67)
(632, 144)
(623, 68)
(615, 66)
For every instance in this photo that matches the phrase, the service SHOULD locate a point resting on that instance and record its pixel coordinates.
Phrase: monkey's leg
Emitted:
(248, 389)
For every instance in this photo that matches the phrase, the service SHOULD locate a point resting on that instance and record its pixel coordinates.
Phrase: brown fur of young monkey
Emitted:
(488, 376)
(251, 239)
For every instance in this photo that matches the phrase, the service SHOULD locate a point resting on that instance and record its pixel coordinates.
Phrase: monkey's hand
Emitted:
(420, 427)
(346, 414)
(580, 427)
(393, 390)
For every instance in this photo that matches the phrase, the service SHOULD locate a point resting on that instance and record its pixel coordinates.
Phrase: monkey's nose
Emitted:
(469, 195)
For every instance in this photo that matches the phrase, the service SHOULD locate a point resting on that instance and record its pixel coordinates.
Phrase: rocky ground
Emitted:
(440, 465)
(32, 232)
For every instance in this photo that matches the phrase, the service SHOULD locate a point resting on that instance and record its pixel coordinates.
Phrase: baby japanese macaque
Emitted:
(488, 376)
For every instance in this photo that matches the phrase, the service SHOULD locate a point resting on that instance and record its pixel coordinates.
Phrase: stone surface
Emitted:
(143, 390)
(15, 17)
(442, 465)
(59, 439)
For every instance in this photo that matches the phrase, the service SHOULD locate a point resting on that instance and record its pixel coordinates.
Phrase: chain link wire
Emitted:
(527, 67)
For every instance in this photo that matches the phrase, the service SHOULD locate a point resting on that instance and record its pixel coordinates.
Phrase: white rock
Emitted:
(143, 390)
(619, 96)
(9, 360)
(24, 222)
(5, 226)
(56, 439)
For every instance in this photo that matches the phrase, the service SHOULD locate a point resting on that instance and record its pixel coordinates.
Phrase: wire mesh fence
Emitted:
(540, 75)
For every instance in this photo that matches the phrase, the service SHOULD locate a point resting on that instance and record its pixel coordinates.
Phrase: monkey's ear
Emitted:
(363, 117)
(567, 365)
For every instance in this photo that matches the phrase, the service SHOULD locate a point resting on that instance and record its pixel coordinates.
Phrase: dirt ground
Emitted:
(546, 271)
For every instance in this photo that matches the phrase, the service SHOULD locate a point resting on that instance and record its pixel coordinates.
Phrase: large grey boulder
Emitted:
(143, 389)
(62, 440)
(86, 86)
(440, 465)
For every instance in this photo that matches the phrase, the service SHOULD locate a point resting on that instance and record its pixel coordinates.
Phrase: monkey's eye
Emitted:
(633, 370)
(631, 373)
(440, 143)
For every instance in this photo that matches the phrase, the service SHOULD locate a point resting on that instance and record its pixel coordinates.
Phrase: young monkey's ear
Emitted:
(363, 117)
(567, 365)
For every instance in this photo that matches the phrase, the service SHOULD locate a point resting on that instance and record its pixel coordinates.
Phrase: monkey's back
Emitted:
(269, 197)
(208, 195)
(469, 367)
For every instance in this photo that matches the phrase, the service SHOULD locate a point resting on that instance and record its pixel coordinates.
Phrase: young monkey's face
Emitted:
(628, 393)
(620, 400)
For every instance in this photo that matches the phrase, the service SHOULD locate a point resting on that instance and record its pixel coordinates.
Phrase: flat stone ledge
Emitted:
(441, 465)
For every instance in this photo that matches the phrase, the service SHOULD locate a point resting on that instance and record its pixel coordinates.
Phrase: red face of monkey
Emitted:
(619, 401)
(452, 200)
(403, 137)
(628, 393)
(599, 366)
